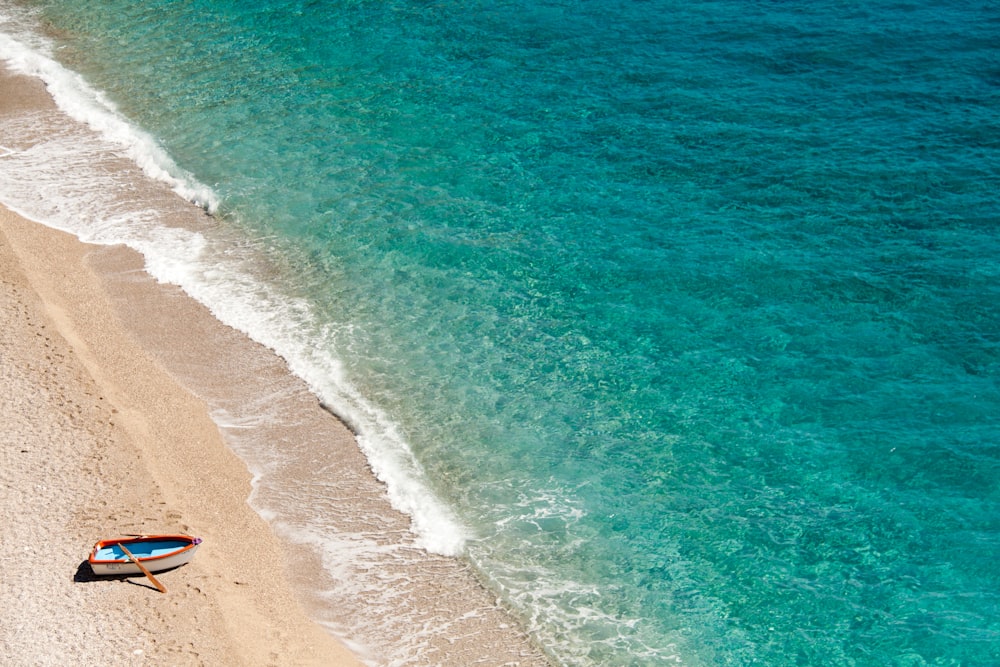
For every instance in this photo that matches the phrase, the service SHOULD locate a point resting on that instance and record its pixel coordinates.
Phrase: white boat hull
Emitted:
(107, 557)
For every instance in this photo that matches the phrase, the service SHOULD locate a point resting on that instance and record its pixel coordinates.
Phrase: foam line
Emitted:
(81, 197)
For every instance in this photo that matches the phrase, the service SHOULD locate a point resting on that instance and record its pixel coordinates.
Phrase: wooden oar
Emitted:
(143, 568)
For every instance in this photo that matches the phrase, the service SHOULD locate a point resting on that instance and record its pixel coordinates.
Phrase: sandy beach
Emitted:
(99, 441)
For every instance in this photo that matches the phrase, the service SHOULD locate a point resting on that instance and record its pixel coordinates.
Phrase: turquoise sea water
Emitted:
(689, 312)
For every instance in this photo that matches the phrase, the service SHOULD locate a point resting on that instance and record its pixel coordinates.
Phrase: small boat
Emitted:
(155, 552)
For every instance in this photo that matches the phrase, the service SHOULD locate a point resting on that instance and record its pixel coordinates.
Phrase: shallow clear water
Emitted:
(688, 313)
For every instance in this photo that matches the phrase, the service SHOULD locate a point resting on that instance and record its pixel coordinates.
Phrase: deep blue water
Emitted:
(689, 311)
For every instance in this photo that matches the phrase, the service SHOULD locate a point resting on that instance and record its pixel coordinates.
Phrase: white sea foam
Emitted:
(71, 179)
(90, 107)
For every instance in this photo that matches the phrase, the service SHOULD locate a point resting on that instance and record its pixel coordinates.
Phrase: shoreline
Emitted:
(180, 392)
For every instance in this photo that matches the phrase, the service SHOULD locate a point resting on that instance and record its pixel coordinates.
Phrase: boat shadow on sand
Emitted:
(85, 575)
